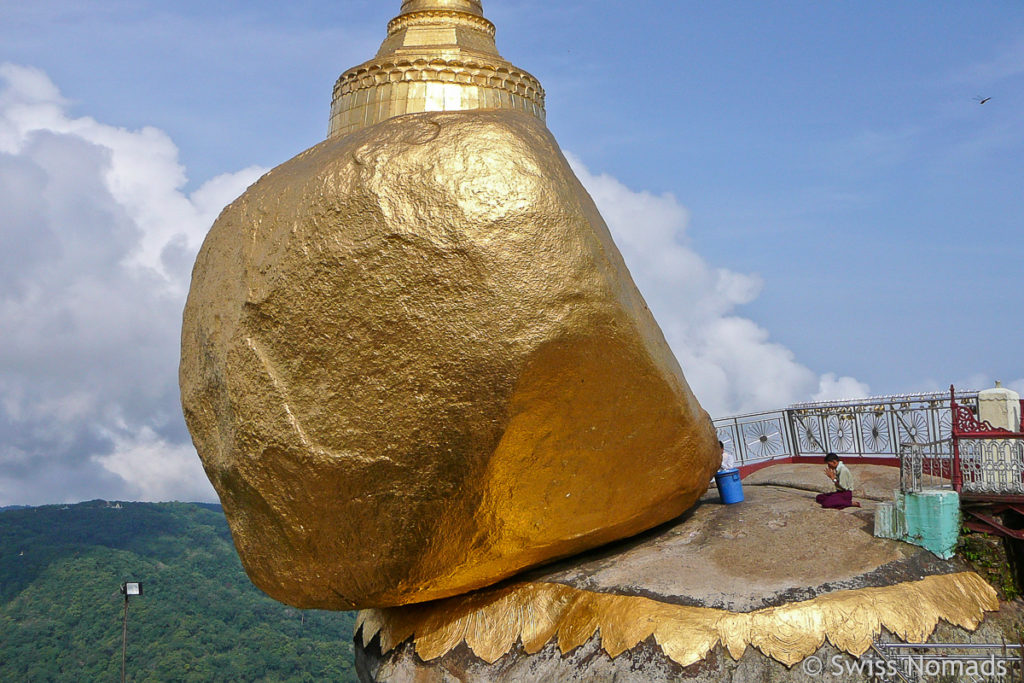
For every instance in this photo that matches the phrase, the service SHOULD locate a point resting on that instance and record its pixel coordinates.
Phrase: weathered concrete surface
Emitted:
(874, 482)
(777, 547)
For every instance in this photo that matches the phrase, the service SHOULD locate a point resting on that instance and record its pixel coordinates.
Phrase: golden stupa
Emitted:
(439, 56)
(413, 360)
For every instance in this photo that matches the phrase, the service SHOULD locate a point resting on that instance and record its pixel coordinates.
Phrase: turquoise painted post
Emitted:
(933, 520)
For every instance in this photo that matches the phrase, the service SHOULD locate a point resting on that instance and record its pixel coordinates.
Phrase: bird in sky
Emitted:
(982, 100)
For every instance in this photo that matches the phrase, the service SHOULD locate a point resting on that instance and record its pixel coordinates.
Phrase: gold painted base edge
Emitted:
(491, 622)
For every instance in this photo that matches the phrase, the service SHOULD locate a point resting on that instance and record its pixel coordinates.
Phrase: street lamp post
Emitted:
(128, 588)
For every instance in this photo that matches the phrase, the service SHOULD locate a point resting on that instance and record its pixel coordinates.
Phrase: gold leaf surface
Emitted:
(414, 364)
(490, 622)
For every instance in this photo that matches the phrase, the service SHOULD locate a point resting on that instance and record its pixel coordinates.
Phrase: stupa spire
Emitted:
(469, 6)
(439, 55)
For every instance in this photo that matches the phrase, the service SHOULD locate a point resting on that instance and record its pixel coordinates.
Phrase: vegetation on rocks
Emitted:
(992, 557)
(199, 619)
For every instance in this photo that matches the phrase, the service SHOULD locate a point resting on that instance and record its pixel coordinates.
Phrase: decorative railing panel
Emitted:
(923, 465)
(756, 437)
(993, 466)
(863, 428)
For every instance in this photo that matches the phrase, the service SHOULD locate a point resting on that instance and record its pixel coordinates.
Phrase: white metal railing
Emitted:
(925, 465)
(873, 427)
(994, 466)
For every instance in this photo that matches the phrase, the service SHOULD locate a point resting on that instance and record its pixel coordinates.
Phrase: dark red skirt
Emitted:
(836, 499)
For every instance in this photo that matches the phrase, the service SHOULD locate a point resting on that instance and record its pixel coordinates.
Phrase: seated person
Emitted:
(842, 479)
(728, 461)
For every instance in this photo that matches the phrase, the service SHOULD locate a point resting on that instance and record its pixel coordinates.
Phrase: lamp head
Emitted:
(131, 588)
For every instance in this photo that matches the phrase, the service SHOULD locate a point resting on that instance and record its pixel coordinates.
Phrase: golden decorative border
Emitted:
(491, 622)
(403, 20)
(441, 71)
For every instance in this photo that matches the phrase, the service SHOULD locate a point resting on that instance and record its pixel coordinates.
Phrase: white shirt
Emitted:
(844, 477)
(728, 461)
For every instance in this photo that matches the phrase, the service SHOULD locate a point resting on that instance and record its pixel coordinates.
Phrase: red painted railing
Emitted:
(965, 425)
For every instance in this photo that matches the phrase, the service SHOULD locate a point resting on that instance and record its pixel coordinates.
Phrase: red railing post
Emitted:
(957, 478)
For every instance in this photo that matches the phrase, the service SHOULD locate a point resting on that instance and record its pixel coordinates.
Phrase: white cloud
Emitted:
(832, 388)
(99, 238)
(729, 361)
(155, 468)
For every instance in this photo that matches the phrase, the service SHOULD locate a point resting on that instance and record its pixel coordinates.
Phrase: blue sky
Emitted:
(822, 171)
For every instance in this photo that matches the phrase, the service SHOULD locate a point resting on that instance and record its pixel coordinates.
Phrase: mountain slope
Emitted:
(199, 619)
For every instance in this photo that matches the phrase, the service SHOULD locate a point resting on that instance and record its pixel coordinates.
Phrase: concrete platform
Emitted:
(777, 546)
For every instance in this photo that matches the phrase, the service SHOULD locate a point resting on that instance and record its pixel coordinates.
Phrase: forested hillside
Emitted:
(199, 619)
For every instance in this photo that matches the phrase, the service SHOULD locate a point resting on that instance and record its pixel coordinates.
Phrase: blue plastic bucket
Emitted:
(730, 490)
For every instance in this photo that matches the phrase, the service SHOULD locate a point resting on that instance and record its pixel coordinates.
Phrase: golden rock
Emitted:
(414, 363)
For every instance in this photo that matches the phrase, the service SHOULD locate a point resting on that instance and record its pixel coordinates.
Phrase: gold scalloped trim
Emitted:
(499, 75)
(491, 622)
(453, 16)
